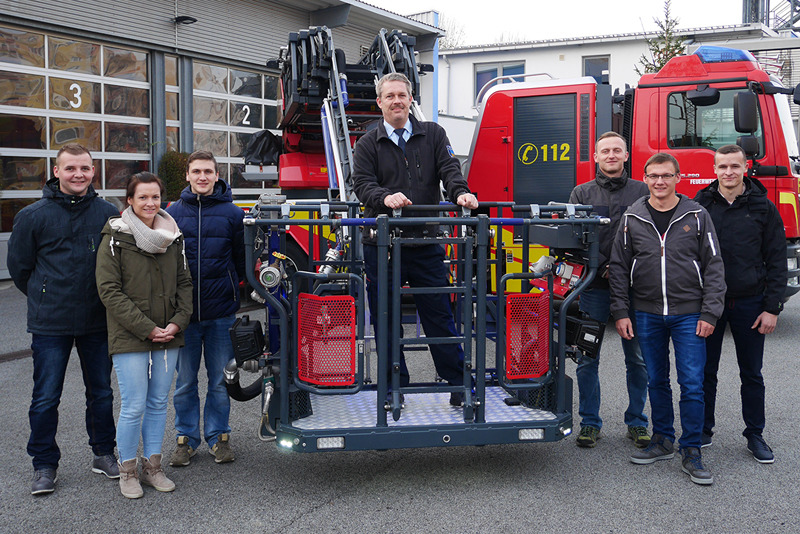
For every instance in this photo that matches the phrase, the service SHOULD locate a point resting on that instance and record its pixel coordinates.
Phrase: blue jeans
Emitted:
(740, 314)
(144, 380)
(596, 302)
(420, 267)
(212, 340)
(50, 357)
(654, 333)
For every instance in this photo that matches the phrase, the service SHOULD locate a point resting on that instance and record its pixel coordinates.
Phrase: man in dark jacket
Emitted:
(51, 257)
(666, 250)
(609, 194)
(753, 245)
(214, 234)
(399, 163)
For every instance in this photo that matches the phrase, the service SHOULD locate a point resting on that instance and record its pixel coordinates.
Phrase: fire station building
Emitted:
(131, 80)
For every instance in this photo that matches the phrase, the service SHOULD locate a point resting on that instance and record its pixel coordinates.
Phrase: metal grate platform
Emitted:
(422, 409)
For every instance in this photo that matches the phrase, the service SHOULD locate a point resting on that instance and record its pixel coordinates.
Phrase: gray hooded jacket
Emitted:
(679, 273)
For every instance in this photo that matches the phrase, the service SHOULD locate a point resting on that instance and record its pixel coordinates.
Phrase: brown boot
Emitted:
(129, 479)
(152, 475)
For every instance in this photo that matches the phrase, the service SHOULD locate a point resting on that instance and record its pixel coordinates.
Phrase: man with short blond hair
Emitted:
(609, 194)
(51, 258)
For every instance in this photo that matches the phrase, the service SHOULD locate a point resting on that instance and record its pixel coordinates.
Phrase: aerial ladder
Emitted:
(328, 104)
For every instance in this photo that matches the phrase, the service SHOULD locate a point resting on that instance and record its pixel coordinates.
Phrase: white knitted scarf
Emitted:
(153, 240)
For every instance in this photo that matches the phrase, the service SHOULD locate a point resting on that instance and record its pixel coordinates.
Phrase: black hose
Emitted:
(235, 390)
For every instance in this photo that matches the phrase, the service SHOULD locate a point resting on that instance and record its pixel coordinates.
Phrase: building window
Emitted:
(56, 90)
(485, 72)
(230, 105)
(596, 67)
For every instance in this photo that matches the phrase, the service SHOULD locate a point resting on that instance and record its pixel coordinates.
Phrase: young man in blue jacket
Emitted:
(753, 244)
(51, 258)
(214, 235)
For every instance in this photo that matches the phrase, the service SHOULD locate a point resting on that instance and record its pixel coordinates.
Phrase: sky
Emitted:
(527, 20)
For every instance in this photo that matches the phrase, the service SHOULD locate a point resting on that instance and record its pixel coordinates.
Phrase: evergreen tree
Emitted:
(665, 46)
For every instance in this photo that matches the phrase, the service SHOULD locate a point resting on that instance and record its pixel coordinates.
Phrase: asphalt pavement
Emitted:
(551, 487)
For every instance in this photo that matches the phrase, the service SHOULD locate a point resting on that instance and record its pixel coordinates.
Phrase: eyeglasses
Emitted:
(656, 177)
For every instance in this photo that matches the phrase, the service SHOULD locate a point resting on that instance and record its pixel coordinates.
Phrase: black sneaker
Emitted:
(456, 399)
(705, 440)
(660, 448)
(44, 481)
(106, 465)
(761, 451)
(693, 466)
(587, 437)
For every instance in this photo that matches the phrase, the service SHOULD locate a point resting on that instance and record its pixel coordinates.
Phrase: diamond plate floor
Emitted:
(359, 410)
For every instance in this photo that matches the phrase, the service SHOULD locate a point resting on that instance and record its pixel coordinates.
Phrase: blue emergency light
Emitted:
(720, 54)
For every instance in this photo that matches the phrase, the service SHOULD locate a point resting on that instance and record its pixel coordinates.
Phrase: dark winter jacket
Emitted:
(141, 291)
(678, 274)
(381, 168)
(51, 257)
(214, 233)
(752, 240)
(609, 197)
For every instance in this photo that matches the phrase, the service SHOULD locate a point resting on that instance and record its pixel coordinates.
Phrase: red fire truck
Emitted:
(534, 140)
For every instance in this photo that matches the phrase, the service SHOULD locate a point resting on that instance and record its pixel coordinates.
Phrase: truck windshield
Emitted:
(691, 126)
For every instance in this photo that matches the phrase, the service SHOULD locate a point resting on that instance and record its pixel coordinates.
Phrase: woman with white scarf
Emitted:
(145, 285)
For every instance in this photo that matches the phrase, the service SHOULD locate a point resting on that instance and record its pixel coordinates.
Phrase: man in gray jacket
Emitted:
(609, 194)
(666, 250)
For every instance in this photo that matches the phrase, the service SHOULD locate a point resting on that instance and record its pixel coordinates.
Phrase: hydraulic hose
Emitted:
(235, 390)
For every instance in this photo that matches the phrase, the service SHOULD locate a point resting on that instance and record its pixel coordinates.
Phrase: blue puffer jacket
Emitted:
(51, 257)
(214, 235)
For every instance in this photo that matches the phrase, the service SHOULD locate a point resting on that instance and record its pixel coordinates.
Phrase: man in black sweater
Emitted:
(753, 244)
(609, 194)
(399, 163)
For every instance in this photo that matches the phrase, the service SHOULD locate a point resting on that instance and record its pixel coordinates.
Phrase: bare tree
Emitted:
(455, 36)
(509, 37)
(665, 46)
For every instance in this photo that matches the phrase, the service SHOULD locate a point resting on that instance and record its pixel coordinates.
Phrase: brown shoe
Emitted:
(221, 451)
(129, 479)
(152, 474)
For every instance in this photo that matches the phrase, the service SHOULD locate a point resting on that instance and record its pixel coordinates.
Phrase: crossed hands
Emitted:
(164, 335)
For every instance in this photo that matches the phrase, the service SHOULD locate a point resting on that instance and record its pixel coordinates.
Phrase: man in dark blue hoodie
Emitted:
(214, 235)
(51, 258)
(753, 245)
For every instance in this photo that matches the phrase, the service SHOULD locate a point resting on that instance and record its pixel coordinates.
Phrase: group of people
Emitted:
(666, 274)
(152, 290)
(682, 270)
(147, 291)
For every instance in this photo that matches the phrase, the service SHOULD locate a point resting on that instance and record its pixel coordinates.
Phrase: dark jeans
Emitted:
(655, 332)
(740, 314)
(421, 267)
(50, 358)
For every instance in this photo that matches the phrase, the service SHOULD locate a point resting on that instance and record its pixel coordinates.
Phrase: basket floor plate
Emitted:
(422, 409)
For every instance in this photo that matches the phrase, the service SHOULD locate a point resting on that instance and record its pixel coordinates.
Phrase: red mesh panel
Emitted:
(527, 335)
(326, 339)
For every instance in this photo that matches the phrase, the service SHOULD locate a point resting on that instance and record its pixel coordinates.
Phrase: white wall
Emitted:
(564, 59)
(457, 71)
